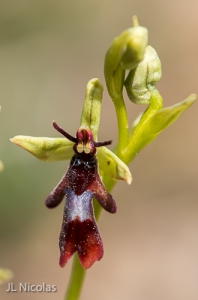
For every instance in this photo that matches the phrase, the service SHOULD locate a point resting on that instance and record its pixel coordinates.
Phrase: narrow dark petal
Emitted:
(101, 144)
(100, 193)
(63, 132)
(79, 231)
(58, 193)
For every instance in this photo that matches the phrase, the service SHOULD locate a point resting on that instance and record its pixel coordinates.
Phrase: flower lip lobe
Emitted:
(84, 238)
(79, 230)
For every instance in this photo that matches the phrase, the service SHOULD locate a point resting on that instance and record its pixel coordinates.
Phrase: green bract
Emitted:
(154, 120)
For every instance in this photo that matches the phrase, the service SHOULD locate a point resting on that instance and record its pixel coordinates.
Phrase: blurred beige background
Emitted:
(48, 52)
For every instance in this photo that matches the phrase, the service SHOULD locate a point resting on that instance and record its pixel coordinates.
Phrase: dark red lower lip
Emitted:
(83, 237)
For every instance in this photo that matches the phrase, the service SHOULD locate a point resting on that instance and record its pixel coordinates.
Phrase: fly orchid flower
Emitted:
(80, 184)
(82, 181)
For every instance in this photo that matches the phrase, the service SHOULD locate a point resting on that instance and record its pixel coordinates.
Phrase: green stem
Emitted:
(122, 120)
(114, 80)
(76, 280)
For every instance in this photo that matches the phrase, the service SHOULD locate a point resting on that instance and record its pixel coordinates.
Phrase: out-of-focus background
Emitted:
(48, 52)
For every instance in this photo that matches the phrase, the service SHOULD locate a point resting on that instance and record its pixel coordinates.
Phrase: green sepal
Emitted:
(114, 167)
(92, 106)
(46, 149)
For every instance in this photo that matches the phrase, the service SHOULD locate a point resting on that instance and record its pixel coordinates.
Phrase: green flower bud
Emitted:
(141, 81)
(135, 49)
(125, 52)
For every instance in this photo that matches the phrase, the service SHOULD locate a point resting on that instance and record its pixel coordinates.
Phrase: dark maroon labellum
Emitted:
(80, 184)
